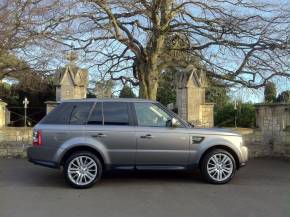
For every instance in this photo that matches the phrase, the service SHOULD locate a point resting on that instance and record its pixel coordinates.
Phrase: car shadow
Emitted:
(154, 176)
(32, 175)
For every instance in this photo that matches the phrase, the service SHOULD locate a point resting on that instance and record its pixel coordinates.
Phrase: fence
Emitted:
(17, 117)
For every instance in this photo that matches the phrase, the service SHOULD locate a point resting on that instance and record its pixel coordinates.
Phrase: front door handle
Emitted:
(147, 136)
(99, 135)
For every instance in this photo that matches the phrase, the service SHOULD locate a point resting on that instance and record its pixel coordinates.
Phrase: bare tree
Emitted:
(23, 47)
(9, 31)
(241, 42)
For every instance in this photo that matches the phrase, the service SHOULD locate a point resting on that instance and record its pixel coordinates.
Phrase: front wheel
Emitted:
(218, 166)
(82, 169)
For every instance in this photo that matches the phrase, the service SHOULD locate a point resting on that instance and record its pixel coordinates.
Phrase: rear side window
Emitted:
(59, 115)
(96, 117)
(80, 113)
(115, 113)
(69, 113)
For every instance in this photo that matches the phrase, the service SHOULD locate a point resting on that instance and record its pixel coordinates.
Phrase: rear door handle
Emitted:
(99, 135)
(147, 136)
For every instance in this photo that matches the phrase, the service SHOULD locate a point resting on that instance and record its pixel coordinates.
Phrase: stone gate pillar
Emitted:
(190, 98)
(71, 83)
(2, 113)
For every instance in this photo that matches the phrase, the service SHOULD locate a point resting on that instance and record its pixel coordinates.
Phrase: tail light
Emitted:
(37, 138)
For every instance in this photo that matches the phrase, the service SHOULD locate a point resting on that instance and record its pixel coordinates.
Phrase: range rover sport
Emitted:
(88, 137)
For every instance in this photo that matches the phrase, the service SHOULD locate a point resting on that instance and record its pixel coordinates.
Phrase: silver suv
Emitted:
(87, 137)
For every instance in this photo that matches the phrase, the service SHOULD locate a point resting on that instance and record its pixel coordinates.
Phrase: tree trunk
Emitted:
(147, 68)
(148, 91)
(148, 80)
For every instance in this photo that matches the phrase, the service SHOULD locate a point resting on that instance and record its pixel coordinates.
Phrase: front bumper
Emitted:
(244, 156)
(41, 156)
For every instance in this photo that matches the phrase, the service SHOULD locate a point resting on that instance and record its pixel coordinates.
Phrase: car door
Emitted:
(159, 146)
(111, 125)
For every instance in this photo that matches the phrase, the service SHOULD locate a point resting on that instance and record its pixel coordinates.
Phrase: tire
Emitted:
(82, 169)
(218, 166)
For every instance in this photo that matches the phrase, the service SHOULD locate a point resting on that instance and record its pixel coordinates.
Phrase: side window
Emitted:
(59, 115)
(150, 115)
(115, 113)
(96, 117)
(80, 113)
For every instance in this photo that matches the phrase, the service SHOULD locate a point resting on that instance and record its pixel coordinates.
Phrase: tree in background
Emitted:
(10, 65)
(241, 42)
(36, 88)
(270, 92)
(22, 49)
(217, 93)
(246, 115)
(284, 97)
(166, 92)
(104, 88)
(126, 92)
(224, 108)
(225, 116)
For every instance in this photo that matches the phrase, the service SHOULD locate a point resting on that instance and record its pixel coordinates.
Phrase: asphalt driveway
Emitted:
(262, 189)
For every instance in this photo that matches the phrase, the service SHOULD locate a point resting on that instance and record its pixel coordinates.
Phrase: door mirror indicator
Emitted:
(174, 122)
(196, 139)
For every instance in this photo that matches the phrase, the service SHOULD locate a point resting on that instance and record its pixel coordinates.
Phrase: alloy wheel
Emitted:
(220, 167)
(82, 170)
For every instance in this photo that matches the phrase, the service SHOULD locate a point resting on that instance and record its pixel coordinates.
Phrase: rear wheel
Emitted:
(218, 166)
(82, 169)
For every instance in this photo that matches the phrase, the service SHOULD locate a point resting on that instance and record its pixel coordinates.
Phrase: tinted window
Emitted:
(96, 116)
(80, 113)
(115, 113)
(150, 115)
(59, 115)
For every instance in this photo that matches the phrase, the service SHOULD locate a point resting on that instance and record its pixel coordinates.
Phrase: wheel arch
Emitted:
(77, 148)
(224, 147)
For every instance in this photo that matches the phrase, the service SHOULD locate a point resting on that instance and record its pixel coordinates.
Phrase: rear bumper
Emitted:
(44, 163)
(41, 156)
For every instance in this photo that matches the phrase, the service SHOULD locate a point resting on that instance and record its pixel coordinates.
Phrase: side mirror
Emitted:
(174, 122)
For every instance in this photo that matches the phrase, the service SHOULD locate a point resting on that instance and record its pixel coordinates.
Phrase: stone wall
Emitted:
(273, 126)
(14, 141)
(258, 147)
